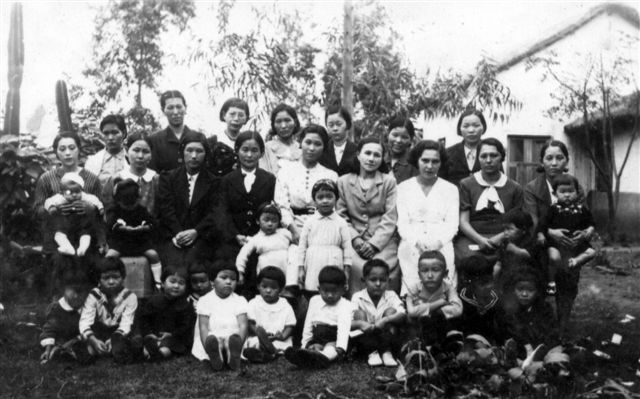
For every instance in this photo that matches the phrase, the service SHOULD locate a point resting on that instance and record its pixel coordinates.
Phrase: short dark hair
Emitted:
(200, 266)
(137, 136)
(354, 166)
(422, 146)
(170, 270)
(375, 262)
(437, 255)
(564, 179)
(521, 219)
(475, 267)
(234, 102)
(320, 131)
(117, 120)
(332, 275)
(195, 138)
(110, 264)
(290, 111)
(342, 111)
(324, 185)
(525, 271)
(222, 265)
(248, 135)
(272, 273)
(270, 208)
(472, 111)
(66, 135)
(405, 123)
(493, 142)
(554, 143)
(171, 94)
(126, 191)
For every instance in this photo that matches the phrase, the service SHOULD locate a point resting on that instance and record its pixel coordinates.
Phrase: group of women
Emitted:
(399, 195)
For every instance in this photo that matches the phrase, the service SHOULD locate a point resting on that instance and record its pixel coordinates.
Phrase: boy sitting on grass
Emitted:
(271, 318)
(326, 327)
(107, 316)
(377, 312)
(432, 302)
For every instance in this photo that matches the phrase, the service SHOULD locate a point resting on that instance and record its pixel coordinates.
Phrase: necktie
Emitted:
(471, 159)
(192, 184)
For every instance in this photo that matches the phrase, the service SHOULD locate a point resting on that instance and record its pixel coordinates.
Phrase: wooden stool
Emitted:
(139, 279)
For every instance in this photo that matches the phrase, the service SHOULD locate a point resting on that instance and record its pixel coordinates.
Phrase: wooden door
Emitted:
(523, 157)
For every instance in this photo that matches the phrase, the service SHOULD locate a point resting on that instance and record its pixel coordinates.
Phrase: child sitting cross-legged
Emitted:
(222, 320)
(432, 302)
(199, 286)
(376, 312)
(480, 302)
(107, 317)
(166, 319)
(271, 318)
(327, 324)
(60, 330)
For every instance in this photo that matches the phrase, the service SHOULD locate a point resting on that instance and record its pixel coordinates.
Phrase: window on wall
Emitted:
(523, 157)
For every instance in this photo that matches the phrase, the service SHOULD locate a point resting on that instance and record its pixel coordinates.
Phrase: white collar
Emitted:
(195, 175)
(481, 181)
(147, 177)
(246, 173)
(340, 146)
(64, 304)
(489, 198)
(467, 150)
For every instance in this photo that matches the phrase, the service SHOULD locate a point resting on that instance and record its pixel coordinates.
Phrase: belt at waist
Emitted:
(309, 210)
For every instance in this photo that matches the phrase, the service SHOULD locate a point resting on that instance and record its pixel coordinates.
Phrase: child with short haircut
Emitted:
(271, 318)
(376, 312)
(479, 299)
(199, 286)
(76, 227)
(108, 314)
(60, 330)
(327, 324)
(525, 315)
(271, 243)
(325, 239)
(222, 320)
(166, 319)
(131, 227)
(570, 216)
(433, 302)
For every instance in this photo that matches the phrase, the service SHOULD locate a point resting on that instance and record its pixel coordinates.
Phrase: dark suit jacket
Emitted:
(456, 167)
(241, 208)
(165, 149)
(176, 214)
(329, 158)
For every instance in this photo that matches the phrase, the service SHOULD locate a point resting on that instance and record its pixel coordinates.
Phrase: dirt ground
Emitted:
(606, 296)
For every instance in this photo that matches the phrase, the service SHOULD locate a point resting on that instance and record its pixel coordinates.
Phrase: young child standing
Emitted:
(60, 329)
(76, 227)
(433, 302)
(199, 286)
(271, 318)
(131, 227)
(480, 302)
(108, 314)
(376, 312)
(222, 320)
(271, 243)
(166, 319)
(327, 324)
(325, 239)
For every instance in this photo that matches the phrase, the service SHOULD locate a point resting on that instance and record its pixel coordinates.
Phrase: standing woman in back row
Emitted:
(339, 154)
(399, 142)
(461, 158)
(284, 146)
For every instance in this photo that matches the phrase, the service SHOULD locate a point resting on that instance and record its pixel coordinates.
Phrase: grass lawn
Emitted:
(603, 301)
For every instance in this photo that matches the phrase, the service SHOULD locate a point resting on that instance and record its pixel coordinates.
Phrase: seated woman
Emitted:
(427, 214)
(368, 203)
(283, 146)
(484, 198)
(187, 207)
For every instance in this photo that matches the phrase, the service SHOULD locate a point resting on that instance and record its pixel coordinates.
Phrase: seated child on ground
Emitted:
(376, 312)
(325, 239)
(271, 318)
(571, 217)
(108, 314)
(480, 302)
(200, 285)
(222, 320)
(327, 324)
(432, 302)
(525, 316)
(60, 330)
(130, 226)
(166, 320)
(271, 243)
(76, 227)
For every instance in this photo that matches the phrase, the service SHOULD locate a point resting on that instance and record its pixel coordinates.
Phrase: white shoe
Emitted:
(374, 359)
(388, 359)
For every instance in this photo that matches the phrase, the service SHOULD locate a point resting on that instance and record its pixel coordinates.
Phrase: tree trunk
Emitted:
(347, 60)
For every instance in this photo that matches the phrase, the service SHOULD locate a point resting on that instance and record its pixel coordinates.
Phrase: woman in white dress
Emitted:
(294, 183)
(428, 213)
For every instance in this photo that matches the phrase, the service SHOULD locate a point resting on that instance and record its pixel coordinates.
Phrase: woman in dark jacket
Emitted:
(461, 158)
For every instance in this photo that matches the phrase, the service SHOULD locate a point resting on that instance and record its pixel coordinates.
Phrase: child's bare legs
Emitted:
(64, 245)
(555, 263)
(156, 268)
(582, 258)
(85, 241)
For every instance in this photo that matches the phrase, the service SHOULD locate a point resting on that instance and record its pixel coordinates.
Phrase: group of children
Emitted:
(198, 311)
